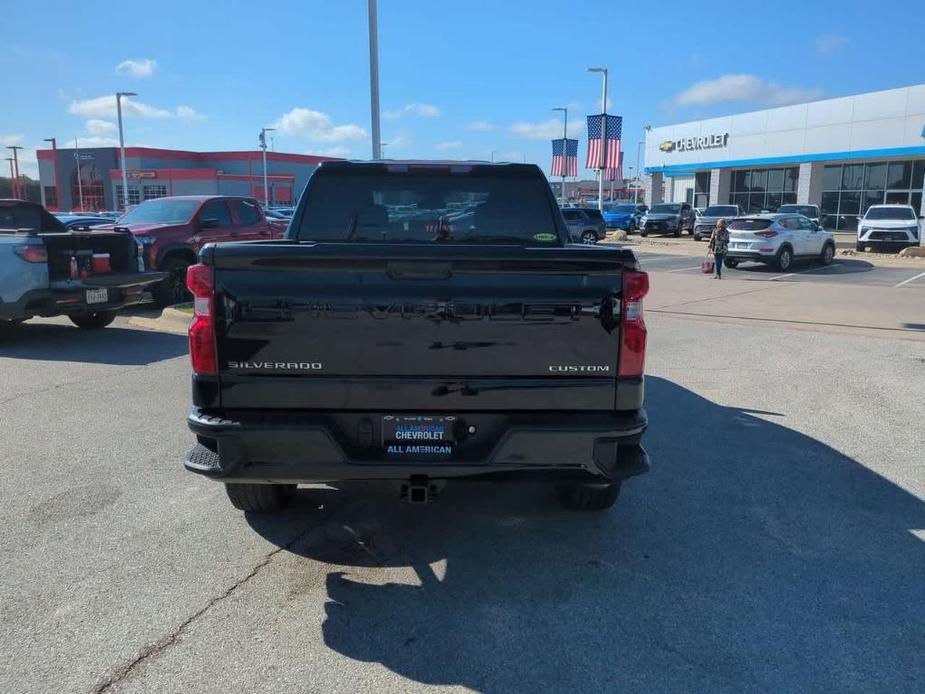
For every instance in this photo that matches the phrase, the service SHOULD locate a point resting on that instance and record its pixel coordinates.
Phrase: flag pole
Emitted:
(564, 151)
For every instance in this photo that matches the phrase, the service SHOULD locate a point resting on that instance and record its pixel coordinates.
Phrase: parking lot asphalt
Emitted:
(776, 545)
(846, 270)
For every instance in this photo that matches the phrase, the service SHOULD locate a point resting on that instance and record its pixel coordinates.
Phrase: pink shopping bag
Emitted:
(707, 266)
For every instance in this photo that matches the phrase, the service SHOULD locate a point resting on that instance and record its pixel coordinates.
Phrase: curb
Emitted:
(170, 321)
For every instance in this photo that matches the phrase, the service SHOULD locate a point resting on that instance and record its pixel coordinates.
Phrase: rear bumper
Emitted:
(71, 297)
(305, 448)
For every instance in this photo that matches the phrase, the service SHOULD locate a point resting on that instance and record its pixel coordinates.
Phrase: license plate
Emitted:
(418, 436)
(738, 245)
(97, 296)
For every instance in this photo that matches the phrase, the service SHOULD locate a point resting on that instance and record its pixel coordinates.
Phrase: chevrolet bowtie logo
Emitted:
(667, 146)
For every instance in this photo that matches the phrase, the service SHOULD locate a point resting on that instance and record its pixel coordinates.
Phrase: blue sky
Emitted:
(458, 79)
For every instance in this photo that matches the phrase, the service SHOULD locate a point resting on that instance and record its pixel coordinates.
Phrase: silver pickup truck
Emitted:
(46, 270)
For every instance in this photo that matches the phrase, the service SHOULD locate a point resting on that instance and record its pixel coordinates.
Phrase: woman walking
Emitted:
(719, 244)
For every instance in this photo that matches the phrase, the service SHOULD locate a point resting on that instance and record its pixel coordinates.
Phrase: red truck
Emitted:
(173, 229)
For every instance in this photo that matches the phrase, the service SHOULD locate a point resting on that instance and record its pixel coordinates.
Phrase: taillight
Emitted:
(200, 280)
(31, 253)
(632, 325)
(770, 234)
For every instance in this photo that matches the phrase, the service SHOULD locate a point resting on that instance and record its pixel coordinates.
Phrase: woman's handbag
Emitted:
(707, 266)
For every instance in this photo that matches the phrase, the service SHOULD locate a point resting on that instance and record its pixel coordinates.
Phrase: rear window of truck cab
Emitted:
(409, 205)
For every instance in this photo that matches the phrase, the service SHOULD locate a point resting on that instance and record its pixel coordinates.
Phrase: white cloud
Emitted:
(88, 141)
(731, 88)
(100, 127)
(137, 68)
(481, 126)
(7, 140)
(544, 130)
(449, 144)
(189, 113)
(399, 140)
(420, 110)
(829, 44)
(317, 126)
(105, 107)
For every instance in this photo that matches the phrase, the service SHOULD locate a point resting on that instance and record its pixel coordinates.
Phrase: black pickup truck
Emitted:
(420, 322)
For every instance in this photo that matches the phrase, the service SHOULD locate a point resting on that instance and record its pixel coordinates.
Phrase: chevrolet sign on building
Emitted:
(841, 154)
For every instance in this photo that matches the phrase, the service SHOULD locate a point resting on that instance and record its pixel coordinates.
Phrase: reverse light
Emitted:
(31, 253)
(200, 280)
(632, 326)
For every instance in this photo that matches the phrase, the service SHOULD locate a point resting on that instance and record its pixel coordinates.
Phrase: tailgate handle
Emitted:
(419, 271)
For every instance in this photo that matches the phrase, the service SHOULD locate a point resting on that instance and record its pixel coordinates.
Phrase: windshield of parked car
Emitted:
(161, 212)
(721, 211)
(749, 224)
(805, 210)
(901, 213)
(665, 209)
(623, 209)
(467, 206)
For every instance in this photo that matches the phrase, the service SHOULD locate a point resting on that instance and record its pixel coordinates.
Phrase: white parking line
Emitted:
(685, 269)
(911, 279)
(809, 269)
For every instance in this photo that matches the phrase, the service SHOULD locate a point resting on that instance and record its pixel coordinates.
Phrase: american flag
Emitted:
(615, 174)
(566, 165)
(613, 135)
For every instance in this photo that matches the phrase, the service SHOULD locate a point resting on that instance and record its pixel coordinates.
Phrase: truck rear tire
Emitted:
(172, 289)
(588, 497)
(93, 320)
(258, 498)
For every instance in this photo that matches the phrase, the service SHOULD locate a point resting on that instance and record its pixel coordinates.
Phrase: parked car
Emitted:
(585, 224)
(45, 270)
(76, 221)
(370, 345)
(173, 229)
(667, 218)
(705, 223)
(891, 226)
(624, 216)
(809, 211)
(778, 240)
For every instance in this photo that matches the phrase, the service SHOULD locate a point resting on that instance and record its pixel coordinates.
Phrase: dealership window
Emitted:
(133, 195)
(51, 197)
(152, 192)
(849, 189)
(754, 190)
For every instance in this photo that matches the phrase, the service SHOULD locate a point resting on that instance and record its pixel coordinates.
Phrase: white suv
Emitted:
(894, 225)
(778, 239)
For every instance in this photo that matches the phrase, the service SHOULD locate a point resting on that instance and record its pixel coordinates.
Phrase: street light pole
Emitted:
(17, 188)
(80, 188)
(603, 162)
(564, 110)
(493, 153)
(263, 146)
(119, 96)
(374, 78)
(12, 178)
(638, 170)
(54, 168)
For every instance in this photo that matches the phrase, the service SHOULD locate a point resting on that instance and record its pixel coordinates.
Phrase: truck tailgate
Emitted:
(417, 328)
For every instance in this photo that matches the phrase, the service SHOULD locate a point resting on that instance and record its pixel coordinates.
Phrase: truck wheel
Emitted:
(93, 320)
(784, 259)
(643, 233)
(258, 498)
(631, 228)
(589, 237)
(172, 290)
(828, 254)
(588, 497)
(677, 232)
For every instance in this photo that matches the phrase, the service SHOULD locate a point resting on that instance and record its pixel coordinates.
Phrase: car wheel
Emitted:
(860, 247)
(631, 227)
(828, 254)
(258, 498)
(93, 320)
(172, 290)
(589, 237)
(697, 236)
(731, 263)
(784, 259)
(677, 232)
(643, 233)
(588, 496)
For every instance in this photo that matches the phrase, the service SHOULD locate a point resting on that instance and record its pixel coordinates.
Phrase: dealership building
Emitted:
(842, 154)
(91, 179)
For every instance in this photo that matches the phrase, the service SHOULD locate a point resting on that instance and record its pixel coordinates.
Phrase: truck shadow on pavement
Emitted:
(111, 345)
(751, 558)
